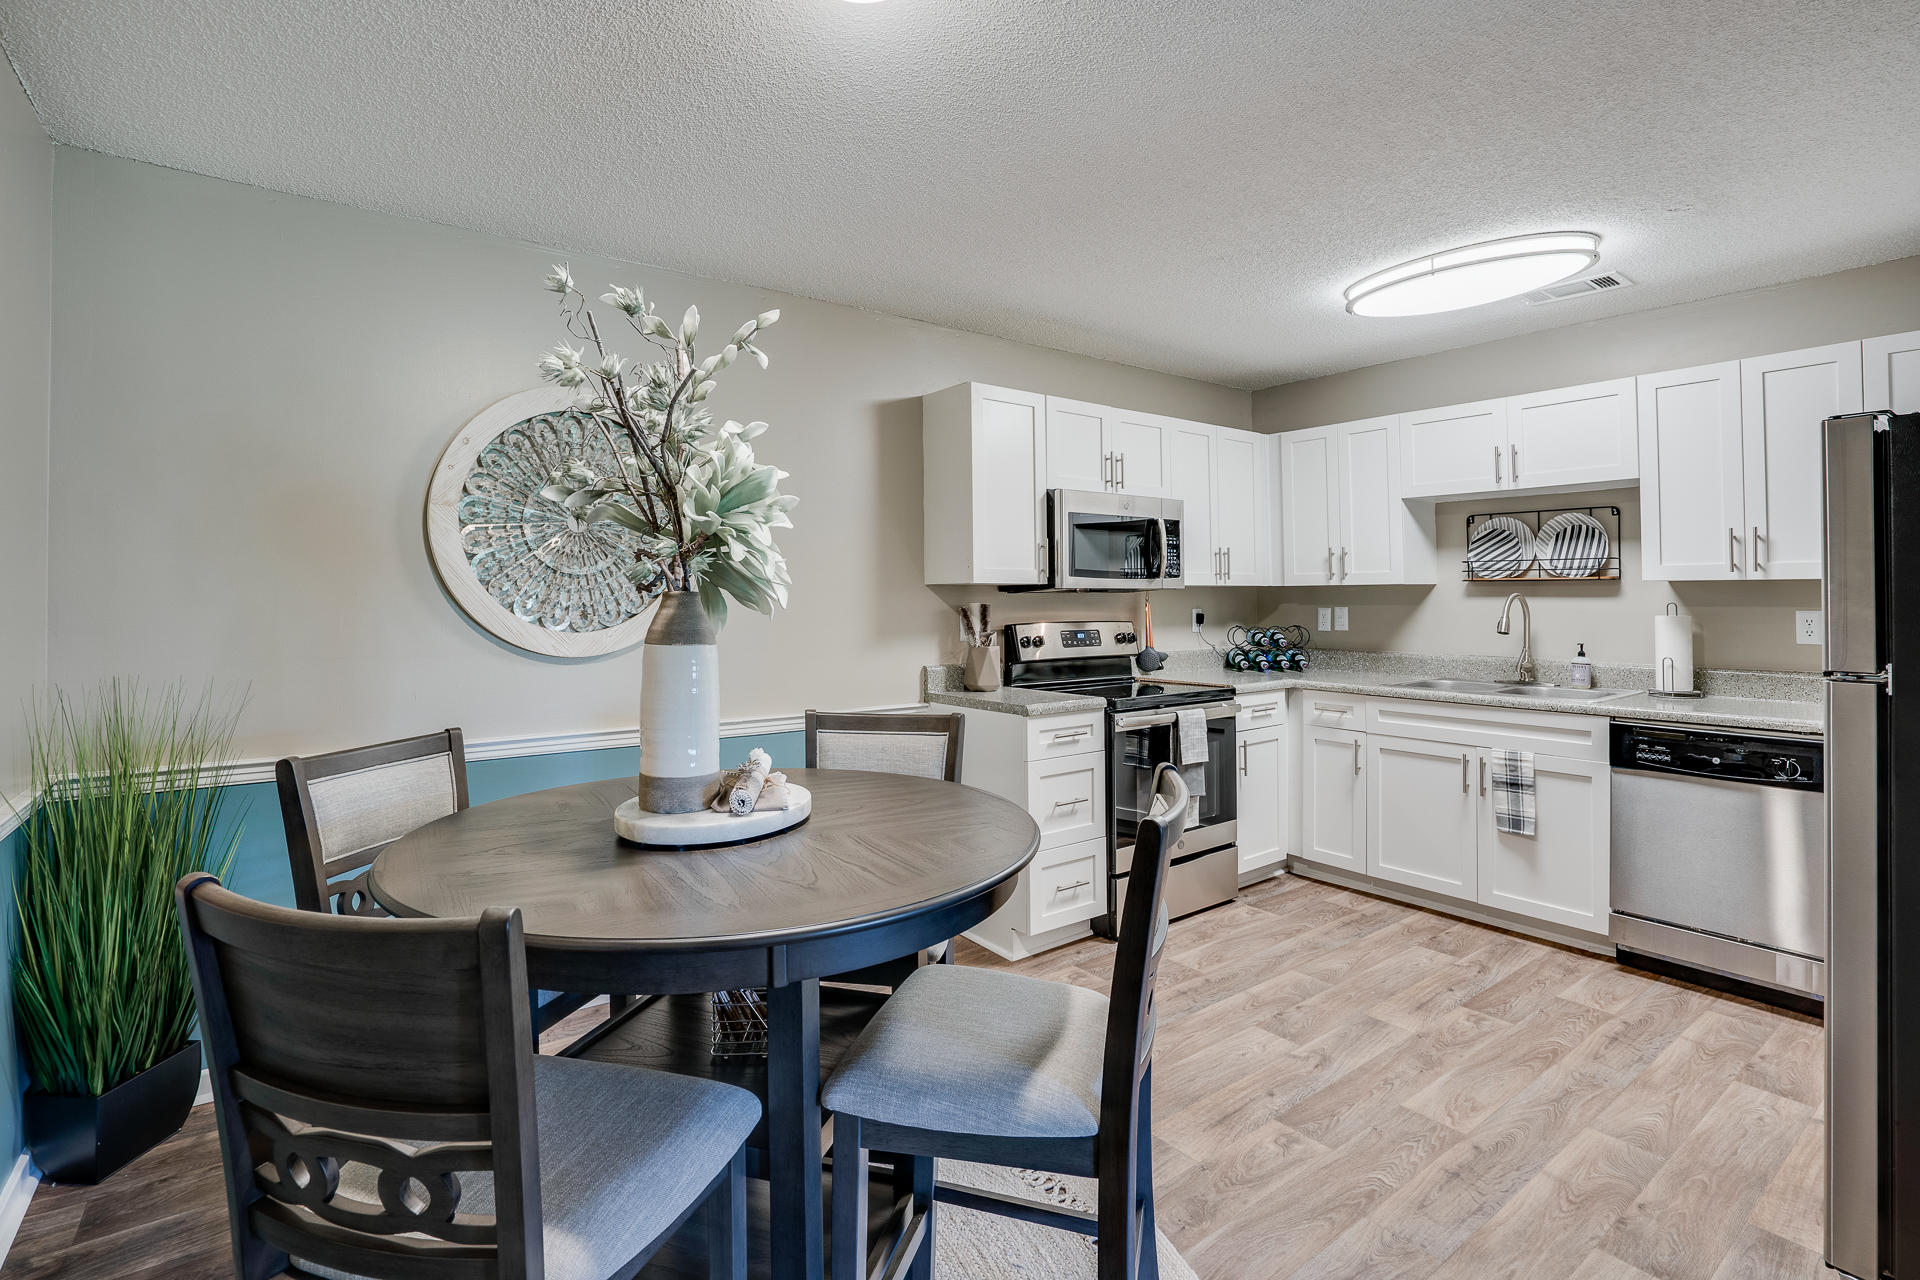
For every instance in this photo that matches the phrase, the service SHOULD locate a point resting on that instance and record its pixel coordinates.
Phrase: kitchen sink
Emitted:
(1511, 689)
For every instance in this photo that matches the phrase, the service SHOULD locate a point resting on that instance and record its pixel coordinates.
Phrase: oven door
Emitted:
(1206, 859)
(1106, 541)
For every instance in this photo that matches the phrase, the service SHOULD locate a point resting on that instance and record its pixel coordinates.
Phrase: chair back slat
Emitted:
(925, 746)
(365, 1074)
(1131, 1015)
(341, 809)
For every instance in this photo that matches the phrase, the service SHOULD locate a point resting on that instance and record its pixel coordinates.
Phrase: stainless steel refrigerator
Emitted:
(1871, 597)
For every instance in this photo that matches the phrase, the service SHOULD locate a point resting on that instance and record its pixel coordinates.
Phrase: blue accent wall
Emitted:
(260, 863)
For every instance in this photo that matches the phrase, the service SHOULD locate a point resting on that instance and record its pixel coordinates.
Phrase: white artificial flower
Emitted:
(628, 300)
(560, 279)
(690, 324)
(610, 367)
(766, 318)
(562, 366)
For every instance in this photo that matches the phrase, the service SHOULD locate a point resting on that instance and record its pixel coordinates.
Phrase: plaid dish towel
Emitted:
(1513, 802)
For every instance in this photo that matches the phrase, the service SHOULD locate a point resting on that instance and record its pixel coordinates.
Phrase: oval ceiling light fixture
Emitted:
(1474, 274)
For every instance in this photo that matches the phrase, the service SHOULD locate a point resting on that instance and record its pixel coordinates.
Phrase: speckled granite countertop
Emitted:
(1761, 701)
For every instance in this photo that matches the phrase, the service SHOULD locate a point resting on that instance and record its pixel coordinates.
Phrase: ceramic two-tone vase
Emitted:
(679, 707)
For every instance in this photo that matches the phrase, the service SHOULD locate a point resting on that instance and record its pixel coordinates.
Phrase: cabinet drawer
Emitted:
(1051, 736)
(1550, 733)
(1335, 711)
(1068, 798)
(1260, 710)
(1065, 886)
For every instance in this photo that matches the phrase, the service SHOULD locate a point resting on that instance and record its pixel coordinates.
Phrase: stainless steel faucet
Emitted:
(1524, 669)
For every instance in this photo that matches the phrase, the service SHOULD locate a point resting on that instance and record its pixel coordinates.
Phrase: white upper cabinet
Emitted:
(1783, 399)
(1457, 450)
(1139, 446)
(1078, 455)
(984, 489)
(1190, 479)
(1309, 506)
(1093, 447)
(1692, 484)
(1242, 502)
(1892, 368)
(1577, 436)
(1340, 509)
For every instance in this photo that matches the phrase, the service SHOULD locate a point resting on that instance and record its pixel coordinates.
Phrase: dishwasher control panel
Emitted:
(1796, 763)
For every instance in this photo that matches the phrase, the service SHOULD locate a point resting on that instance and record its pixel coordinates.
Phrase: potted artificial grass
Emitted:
(128, 802)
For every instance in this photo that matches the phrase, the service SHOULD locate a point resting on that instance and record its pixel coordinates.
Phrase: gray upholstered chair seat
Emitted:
(623, 1153)
(978, 1051)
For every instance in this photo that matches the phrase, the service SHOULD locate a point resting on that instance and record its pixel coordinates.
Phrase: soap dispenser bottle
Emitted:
(1582, 669)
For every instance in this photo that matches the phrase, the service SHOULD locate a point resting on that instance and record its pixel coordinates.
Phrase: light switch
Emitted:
(1325, 620)
(1340, 617)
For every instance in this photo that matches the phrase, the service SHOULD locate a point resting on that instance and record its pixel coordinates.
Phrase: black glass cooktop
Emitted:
(1143, 695)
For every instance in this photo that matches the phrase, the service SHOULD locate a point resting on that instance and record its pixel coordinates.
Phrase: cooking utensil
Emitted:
(1149, 658)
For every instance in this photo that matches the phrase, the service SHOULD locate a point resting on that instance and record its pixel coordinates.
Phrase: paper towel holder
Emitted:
(1666, 675)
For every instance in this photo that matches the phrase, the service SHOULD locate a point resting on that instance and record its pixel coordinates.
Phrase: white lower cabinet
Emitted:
(1422, 815)
(1062, 887)
(1560, 873)
(1333, 798)
(1263, 814)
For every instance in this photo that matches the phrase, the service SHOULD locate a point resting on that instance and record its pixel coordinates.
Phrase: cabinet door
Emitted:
(1190, 479)
(1892, 373)
(1459, 449)
(1240, 500)
(1333, 799)
(1560, 873)
(1262, 797)
(1783, 400)
(1309, 507)
(1139, 444)
(1077, 448)
(1692, 500)
(1369, 515)
(1009, 515)
(1579, 435)
(1422, 815)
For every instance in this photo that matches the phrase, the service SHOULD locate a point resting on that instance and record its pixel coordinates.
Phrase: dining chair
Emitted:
(925, 745)
(382, 1112)
(342, 808)
(996, 1068)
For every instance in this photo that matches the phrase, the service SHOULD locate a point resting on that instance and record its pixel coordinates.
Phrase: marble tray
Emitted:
(706, 828)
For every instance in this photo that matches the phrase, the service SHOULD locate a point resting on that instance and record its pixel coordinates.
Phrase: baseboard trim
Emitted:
(15, 1196)
(1492, 917)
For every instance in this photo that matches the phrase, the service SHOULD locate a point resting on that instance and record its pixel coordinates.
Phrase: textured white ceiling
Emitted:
(1179, 184)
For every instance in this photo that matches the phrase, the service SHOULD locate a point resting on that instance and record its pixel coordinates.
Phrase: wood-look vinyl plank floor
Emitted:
(1344, 1087)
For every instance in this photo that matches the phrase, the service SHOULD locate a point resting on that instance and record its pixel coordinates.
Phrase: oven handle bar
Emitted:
(1214, 710)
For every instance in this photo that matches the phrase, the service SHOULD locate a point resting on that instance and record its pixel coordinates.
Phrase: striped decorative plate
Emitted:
(1573, 545)
(1501, 547)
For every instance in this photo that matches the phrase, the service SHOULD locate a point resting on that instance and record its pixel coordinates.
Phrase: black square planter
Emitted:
(86, 1139)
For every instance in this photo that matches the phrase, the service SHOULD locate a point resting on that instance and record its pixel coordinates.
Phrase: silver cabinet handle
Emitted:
(1733, 550)
(1329, 564)
(1243, 759)
(1070, 804)
(1123, 471)
(1343, 564)
(1069, 735)
(1077, 884)
(1107, 470)
(1356, 755)
(1483, 775)
(1263, 711)
(1496, 464)
(1229, 564)
(1465, 786)
(1513, 459)
(1753, 549)
(1041, 556)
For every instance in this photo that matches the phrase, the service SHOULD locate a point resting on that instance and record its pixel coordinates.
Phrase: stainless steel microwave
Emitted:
(1113, 541)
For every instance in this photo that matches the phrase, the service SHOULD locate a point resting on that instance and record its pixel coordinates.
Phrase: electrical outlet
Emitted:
(1324, 622)
(1340, 617)
(1808, 627)
(1199, 618)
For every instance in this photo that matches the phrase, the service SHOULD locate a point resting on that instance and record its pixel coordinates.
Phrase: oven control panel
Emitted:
(1029, 641)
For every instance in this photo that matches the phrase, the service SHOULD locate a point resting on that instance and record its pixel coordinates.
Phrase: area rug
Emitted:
(970, 1245)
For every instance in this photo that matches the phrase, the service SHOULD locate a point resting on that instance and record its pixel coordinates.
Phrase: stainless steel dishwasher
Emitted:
(1720, 853)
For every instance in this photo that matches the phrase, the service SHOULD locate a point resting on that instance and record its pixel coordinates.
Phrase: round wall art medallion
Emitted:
(520, 565)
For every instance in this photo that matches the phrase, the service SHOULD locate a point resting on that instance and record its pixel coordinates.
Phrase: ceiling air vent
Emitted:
(1578, 288)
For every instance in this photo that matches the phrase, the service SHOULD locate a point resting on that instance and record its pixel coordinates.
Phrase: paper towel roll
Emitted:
(1673, 638)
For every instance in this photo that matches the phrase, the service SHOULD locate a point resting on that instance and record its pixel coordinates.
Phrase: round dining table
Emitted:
(887, 865)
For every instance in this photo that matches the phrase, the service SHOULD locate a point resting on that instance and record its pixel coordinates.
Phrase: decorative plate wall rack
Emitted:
(1587, 551)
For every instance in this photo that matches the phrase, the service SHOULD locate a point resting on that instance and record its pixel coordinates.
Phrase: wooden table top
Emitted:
(878, 847)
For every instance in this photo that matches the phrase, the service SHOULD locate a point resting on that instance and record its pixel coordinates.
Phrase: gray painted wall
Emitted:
(254, 390)
(1741, 624)
(26, 264)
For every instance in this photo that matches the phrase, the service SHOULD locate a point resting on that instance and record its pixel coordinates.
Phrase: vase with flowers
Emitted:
(703, 506)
